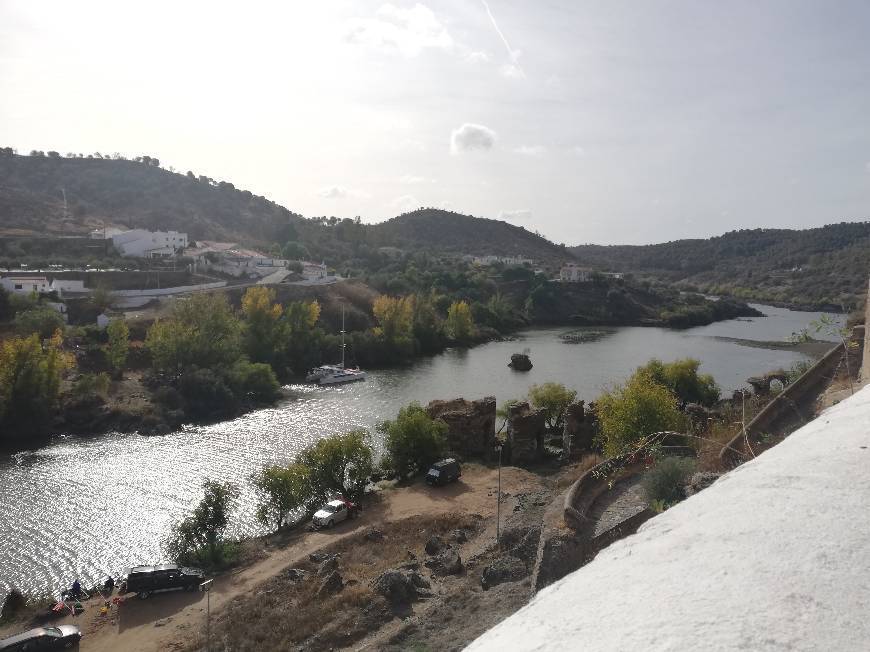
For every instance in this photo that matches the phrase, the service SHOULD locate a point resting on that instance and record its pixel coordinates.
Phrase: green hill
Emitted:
(446, 231)
(133, 194)
(825, 267)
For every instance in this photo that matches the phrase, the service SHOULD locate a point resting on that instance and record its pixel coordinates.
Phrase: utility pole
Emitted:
(498, 447)
(206, 586)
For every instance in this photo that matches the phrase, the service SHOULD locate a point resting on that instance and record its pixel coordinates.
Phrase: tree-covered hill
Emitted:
(431, 228)
(822, 267)
(135, 194)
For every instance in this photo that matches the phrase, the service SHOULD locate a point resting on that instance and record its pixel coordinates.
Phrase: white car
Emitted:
(335, 511)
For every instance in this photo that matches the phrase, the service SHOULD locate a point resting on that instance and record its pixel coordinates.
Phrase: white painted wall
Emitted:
(774, 556)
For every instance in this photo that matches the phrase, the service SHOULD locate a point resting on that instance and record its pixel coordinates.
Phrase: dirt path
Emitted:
(165, 621)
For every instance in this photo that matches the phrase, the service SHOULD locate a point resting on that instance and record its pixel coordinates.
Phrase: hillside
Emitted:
(132, 194)
(447, 231)
(821, 267)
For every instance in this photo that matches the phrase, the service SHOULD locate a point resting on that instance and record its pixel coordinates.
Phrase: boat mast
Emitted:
(342, 336)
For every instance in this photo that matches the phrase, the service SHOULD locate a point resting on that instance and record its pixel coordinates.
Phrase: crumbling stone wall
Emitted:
(525, 433)
(471, 424)
(574, 439)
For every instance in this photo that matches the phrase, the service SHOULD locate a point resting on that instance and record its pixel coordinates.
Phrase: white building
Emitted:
(106, 234)
(140, 243)
(486, 261)
(229, 258)
(573, 273)
(313, 271)
(67, 286)
(773, 556)
(25, 284)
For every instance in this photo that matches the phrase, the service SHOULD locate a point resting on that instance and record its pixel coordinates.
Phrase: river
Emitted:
(87, 507)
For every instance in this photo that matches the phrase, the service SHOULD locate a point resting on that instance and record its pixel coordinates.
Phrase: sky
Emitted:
(588, 121)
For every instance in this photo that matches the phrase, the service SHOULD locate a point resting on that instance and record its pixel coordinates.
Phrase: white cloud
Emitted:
(471, 137)
(578, 150)
(512, 71)
(519, 215)
(531, 150)
(478, 57)
(445, 204)
(332, 192)
(405, 203)
(410, 179)
(340, 192)
(406, 31)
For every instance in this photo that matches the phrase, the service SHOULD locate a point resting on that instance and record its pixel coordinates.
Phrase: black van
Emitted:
(146, 580)
(444, 472)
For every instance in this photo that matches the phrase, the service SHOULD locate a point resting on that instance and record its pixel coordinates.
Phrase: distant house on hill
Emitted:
(486, 261)
(573, 273)
(25, 284)
(140, 243)
(106, 234)
(229, 258)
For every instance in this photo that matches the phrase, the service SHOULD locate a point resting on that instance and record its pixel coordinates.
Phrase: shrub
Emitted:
(413, 440)
(681, 377)
(631, 412)
(91, 385)
(253, 380)
(554, 399)
(41, 320)
(665, 481)
(12, 604)
(205, 394)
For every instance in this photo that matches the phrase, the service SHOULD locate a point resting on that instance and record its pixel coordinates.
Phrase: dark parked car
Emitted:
(146, 580)
(443, 472)
(62, 637)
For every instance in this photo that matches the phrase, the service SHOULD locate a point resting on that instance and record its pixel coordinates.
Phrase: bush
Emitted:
(253, 380)
(42, 320)
(205, 394)
(413, 440)
(91, 385)
(664, 482)
(632, 411)
(12, 604)
(282, 490)
(554, 399)
(681, 377)
(199, 537)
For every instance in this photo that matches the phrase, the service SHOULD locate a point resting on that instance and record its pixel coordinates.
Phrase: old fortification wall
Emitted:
(470, 424)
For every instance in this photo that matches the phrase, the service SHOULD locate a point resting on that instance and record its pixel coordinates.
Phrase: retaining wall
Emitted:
(785, 407)
(159, 292)
(865, 362)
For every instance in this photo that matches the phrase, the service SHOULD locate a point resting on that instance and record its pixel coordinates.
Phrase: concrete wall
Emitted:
(865, 363)
(158, 292)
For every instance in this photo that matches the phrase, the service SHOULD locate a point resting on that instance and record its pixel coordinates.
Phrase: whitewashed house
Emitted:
(67, 286)
(25, 284)
(140, 243)
(313, 271)
(573, 273)
(229, 258)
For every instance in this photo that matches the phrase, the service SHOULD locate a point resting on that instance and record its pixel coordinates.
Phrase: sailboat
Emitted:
(334, 374)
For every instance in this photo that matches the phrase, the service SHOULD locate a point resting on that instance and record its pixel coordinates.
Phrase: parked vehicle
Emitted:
(444, 472)
(335, 511)
(145, 580)
(62, 637)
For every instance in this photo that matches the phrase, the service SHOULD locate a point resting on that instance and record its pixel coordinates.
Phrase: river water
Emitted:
(87, 507)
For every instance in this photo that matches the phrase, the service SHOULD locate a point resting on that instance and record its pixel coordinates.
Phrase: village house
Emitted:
(573, 273)
(229, 258)
(25, 284)
(139, 243)
(486, 261)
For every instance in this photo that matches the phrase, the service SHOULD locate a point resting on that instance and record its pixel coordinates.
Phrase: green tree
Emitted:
(264, 335)
(118, 346)
(681, 377)
(200, 535)
(282, 489)
(553, 399)
(427, 326)
(202, 331)
(460, 323)
(302, 341)
(340, 463)
(395, 316)
(41, 320)
(30, 377)
(293, 250)
(635, 410)
(413, 440)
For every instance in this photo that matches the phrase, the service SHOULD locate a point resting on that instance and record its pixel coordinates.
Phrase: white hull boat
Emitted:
(336, 374)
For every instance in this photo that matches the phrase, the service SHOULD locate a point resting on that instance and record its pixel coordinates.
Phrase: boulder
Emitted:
(522, 543)
(447, 563)
(332, 583)
(470, 424)
(699, 481)
(459, 536)
(434, 545)
(506, 569)
(520, 362)
(374, 535)
(295, 574)
(317, 557)
(401, 588)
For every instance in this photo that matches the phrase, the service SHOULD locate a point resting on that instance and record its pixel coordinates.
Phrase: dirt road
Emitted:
(164, 622)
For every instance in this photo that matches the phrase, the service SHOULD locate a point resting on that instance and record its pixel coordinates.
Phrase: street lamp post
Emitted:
(206, 586)
(498, 447)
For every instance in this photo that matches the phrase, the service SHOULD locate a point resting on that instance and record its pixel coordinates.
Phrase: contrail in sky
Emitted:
(513, 54)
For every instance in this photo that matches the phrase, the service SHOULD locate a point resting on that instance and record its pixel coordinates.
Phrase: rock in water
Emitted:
(520, 362)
